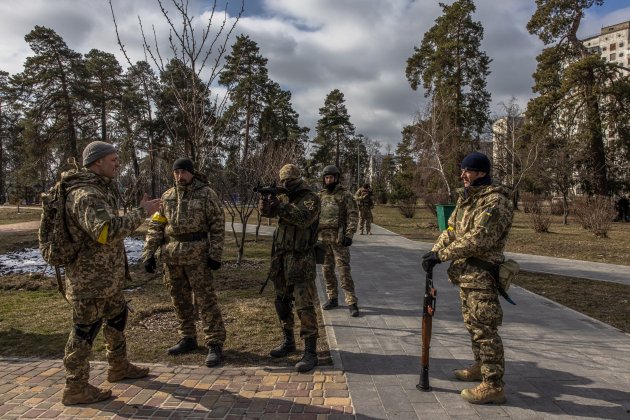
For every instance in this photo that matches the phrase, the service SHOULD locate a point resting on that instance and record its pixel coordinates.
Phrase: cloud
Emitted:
(313, 46)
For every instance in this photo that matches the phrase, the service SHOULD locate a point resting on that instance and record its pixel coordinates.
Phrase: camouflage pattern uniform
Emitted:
(293, 259)
(365, 204)
(95, 280)
(338, 219)
(479, 228)
(189, 229)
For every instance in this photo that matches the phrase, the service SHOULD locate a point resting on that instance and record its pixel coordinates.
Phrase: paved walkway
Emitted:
(560, 364)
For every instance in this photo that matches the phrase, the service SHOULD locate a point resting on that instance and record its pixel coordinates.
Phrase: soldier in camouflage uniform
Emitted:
(188, 232)
(292, 268)
(95, 279)
(365, 204)
(337, 225)
(474, 241)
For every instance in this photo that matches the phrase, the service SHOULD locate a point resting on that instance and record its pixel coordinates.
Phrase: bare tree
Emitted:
(199, 49)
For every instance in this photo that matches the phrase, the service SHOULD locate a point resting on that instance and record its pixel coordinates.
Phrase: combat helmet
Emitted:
(289, 172)
(331, 170)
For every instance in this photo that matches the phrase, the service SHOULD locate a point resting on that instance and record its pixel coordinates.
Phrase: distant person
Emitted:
(623, 209)
(292, 269)
(95, 280)
(337, 226)
(188, 233)
(365, 203)
(474, 241)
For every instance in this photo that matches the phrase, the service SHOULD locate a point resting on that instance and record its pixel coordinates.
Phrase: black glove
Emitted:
(347, 241)
(430, 260)
(150, 265)
(214, 265)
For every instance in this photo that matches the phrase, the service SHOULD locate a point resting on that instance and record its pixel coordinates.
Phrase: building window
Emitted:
(620, 54)
(620, 44)
(603, 48)
(613, 47)
(613, 56)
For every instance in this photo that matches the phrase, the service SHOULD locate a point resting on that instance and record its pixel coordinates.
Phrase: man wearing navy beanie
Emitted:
(187, 233)
(474, 242)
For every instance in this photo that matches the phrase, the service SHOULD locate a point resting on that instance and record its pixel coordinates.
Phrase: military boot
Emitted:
(84, 394)
(286, 347)
(185, 345)
(309, 360)
(354, 310)
(330, 304)
(484, 394)
(470, 374)
(125, 370)
(215, 355)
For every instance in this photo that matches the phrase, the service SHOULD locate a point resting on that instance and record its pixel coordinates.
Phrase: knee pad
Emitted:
(283, 307)
(119, 321)
(87, 332)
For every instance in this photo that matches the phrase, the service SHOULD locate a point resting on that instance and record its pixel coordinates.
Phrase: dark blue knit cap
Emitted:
(184, 163)
(476, 161)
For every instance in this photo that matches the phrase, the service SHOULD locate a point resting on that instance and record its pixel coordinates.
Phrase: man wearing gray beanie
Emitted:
(96, 150)
(96, 277)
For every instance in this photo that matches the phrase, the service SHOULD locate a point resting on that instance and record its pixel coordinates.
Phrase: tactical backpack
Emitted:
(55, 243)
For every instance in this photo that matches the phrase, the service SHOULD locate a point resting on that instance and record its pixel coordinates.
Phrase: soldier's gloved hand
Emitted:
(150, 265)
(213, 264)
(430, 260)
(273, 203)
(347, 241)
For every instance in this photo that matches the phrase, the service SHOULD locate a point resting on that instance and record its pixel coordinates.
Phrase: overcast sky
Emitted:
(314, 46)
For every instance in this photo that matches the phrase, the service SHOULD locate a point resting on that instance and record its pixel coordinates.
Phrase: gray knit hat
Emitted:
(96, 150)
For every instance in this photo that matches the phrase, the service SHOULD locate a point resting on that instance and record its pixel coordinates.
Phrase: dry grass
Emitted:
(27, 214)
(35, 320)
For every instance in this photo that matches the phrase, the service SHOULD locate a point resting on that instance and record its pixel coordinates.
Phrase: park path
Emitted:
(559, 363)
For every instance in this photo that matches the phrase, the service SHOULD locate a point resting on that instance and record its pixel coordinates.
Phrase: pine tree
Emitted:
(334, 130)
(246, 76)
(452, 69)
(575, 85)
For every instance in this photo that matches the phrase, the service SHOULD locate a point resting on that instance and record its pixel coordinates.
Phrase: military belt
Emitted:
(187, 237)
(493, 269)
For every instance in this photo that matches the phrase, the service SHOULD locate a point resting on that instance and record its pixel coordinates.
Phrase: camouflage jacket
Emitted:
(478, 227)
(190, 226)
(100, 268)
(298, 213)
(339, 215)
(364, 199)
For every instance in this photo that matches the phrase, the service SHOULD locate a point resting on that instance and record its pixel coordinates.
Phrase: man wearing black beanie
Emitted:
(474, 241)
(187, 233)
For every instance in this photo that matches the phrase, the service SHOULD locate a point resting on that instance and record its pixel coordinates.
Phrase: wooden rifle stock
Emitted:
(428, 310)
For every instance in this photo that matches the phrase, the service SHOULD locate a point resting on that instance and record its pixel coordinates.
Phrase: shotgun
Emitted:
(428, 310)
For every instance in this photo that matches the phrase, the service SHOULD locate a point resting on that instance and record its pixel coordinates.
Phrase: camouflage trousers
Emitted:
(192, 293)
(337, 255)
(88, 316)
(365, 219)
(293, 275)
(482, 316)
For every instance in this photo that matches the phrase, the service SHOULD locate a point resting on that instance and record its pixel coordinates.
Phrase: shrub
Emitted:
(407, 208)
(540, 219)
(595, 214)
(431, 200)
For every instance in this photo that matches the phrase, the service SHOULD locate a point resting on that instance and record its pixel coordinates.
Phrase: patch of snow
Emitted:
(30, 260)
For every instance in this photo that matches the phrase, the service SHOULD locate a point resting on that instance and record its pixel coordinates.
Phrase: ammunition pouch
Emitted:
(503, 273)
(187, 237)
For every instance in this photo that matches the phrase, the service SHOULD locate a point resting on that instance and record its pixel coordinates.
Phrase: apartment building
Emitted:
(612, 44)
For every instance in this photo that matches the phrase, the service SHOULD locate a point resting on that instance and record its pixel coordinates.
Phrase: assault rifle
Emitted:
(270, 190)
(428, 310)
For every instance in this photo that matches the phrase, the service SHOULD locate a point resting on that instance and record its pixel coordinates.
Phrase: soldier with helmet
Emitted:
(337, 225)
(365, 204)
(292, 268)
